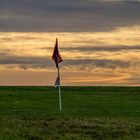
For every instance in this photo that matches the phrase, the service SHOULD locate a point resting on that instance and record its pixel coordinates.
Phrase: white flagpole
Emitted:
(59, 88)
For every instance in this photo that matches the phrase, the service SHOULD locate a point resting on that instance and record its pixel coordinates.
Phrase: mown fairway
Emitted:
(100, 113)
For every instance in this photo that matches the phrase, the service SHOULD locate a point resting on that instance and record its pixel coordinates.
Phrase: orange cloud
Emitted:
(116, 51)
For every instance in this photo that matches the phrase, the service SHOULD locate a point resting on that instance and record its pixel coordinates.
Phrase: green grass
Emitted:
(88, 113)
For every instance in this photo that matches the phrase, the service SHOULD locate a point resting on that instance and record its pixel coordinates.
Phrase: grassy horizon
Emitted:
(88, 113)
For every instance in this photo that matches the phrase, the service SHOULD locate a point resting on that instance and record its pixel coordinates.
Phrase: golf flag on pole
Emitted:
(57, 59)
(56, 55)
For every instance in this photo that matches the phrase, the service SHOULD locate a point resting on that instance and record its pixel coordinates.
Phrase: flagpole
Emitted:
(59, 88)
(57, 58)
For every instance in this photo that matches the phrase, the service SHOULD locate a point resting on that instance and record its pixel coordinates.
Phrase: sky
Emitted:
(99, 41)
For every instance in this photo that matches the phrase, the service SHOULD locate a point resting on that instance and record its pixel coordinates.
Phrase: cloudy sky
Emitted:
(99, 41)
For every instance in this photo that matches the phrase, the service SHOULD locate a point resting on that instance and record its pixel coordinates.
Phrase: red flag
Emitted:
(56, 55)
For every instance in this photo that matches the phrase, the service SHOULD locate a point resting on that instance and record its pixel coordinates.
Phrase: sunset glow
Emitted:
(95, 52)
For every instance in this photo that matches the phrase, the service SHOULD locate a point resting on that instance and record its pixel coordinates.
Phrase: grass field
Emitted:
(88, 113)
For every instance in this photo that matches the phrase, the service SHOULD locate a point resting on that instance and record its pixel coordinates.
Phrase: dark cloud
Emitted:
(113, 64)
(24, 62)
(101, 63)
(65, 15)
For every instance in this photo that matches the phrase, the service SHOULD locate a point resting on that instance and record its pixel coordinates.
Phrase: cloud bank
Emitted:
(99, 58)
(99, 41)
(67, 16)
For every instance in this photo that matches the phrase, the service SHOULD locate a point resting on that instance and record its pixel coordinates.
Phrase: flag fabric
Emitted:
(57, 82)
(56, 55)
